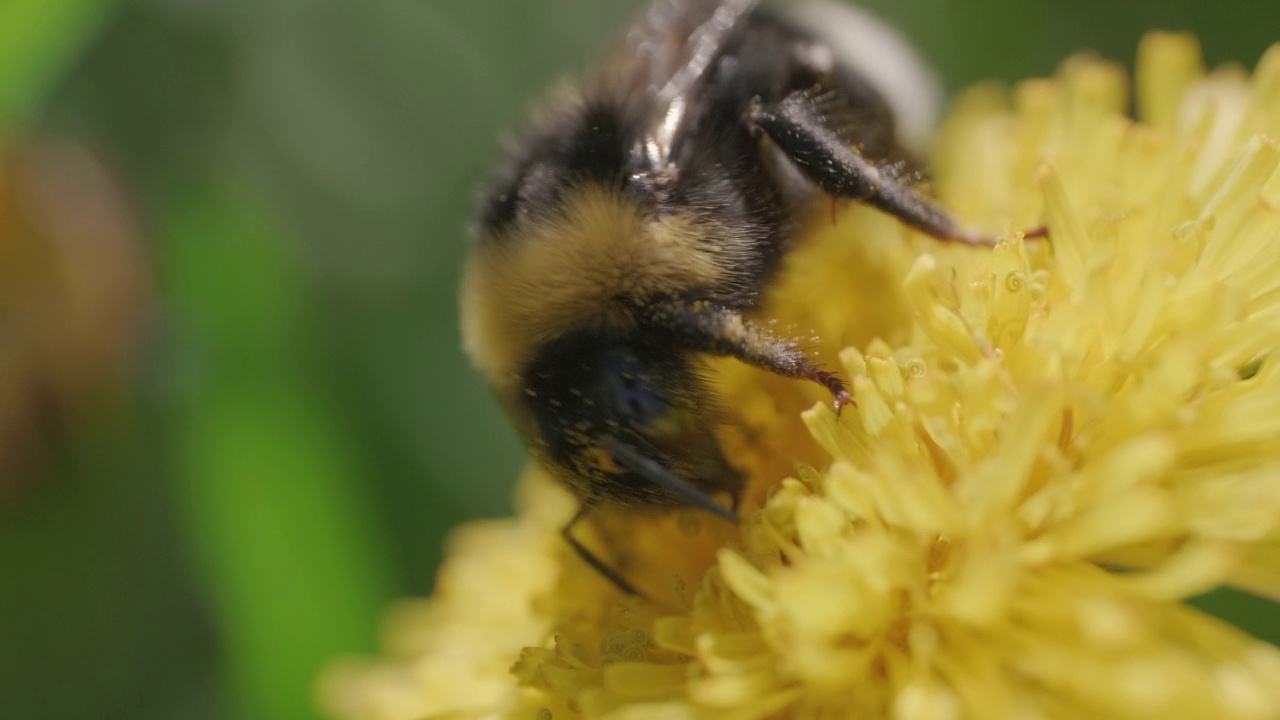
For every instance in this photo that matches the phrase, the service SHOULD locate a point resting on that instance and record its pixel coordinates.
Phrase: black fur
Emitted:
(584, 387)
(722, 171)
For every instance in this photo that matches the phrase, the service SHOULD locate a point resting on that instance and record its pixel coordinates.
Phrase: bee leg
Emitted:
(662, 478)
(705, 327)
(591, 559)
(796, 126)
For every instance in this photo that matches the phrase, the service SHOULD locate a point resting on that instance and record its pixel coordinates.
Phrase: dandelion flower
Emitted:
(1054, 445)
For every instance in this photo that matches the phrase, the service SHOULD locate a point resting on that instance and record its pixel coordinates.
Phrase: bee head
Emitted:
(631, 419)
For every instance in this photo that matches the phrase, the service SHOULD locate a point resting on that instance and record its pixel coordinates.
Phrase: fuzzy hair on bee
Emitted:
(635, 223)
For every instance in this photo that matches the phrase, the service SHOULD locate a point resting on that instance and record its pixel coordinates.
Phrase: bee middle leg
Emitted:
(797, 126)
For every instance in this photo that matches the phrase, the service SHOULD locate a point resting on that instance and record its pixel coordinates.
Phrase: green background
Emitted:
(301, 429)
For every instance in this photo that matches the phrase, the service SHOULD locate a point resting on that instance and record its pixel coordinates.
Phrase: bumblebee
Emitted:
(633, 226)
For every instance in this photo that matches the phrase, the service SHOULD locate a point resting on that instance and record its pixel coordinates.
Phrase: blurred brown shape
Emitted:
(74, 290)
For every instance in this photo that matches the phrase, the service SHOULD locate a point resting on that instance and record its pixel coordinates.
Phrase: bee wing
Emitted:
(671, 38)
(883, 58)
(663, 59)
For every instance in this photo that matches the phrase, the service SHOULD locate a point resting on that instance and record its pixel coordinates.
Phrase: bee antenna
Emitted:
(651, 470)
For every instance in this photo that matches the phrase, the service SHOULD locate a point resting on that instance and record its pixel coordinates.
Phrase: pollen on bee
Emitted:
(602, 460)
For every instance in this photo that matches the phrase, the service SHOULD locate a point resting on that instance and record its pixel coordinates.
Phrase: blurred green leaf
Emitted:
(1252, 614)
(273, 486)
(39, 39)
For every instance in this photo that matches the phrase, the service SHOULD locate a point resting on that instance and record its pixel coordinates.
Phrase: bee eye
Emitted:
(640, 404)
(636, 394)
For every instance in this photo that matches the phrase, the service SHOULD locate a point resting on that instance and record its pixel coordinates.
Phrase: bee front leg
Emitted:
(705, 327)
(797, 126)
(591, 559)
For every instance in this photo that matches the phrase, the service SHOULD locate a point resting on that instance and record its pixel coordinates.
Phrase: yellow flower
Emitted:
(1055, 444)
